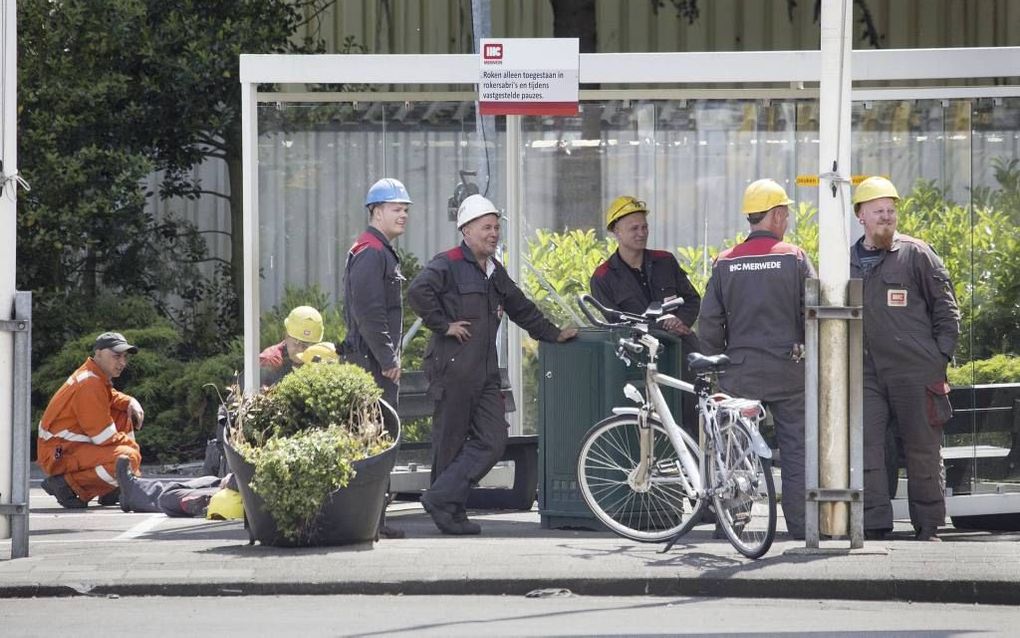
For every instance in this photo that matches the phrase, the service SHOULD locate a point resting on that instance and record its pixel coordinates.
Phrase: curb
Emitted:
(964, 592)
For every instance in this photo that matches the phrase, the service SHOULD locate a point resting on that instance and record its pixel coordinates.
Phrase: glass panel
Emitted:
(317, 161)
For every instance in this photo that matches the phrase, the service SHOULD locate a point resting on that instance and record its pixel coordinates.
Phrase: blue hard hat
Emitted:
(387, 190)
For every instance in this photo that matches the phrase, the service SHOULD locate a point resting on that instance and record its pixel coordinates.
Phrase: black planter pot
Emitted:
(350, 514)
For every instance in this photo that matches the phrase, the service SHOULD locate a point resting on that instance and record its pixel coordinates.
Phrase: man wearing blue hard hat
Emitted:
(373, 310)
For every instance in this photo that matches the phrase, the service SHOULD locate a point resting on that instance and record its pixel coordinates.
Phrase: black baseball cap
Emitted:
(114, 341)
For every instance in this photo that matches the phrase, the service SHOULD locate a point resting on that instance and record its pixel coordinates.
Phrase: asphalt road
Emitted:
(493, 616)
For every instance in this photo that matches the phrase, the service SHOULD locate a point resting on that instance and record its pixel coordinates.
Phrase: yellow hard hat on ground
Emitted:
(623, 206)
(304, 323)
(225, 505)
(763, 195)
(875, 187)
(324, 352)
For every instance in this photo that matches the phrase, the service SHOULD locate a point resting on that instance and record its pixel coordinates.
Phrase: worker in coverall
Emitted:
(373, 309)
(303, 327)
(633, 277)
(87, 425)
(911, 326)
(461, 297)
(753, 311)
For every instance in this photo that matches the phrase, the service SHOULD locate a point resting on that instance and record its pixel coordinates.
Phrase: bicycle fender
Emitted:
(761, 448)
(626, 410)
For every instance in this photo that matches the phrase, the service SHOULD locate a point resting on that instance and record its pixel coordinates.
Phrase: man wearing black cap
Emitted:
(87, 426)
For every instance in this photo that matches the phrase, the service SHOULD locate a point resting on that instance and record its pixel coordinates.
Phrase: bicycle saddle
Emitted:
(700, 363)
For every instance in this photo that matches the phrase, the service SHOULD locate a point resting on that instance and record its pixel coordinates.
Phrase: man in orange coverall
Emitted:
(87, 425)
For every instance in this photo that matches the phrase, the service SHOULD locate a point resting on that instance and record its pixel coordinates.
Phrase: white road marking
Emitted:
(148, 524)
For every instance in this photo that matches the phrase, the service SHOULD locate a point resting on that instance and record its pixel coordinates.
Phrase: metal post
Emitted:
(834, 261)
(810, 414)
(8, 235)
(21, 441)
(816, 317)
(250, 172)
(514, 212)
(855, 299)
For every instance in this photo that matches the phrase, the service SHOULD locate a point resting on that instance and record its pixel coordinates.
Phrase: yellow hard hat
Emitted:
(875, 187)
(763, 195)
(621, 207)
(225, 505)
(324, 352)
(304, 323)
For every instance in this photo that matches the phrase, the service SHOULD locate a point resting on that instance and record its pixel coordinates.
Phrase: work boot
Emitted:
(385, 531)
(927, 534)
(124, 477)
(442, 517)
(110, 498)
(876, 534)
(57, 487)
(467, 526)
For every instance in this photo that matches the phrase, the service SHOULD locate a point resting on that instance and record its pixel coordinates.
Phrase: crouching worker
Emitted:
(303, 328)
(87, 426)
(206, 496)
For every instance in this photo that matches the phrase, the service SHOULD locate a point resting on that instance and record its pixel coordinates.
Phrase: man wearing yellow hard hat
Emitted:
(753, 311)
(634, 276)
(911, 326)
(303, 327)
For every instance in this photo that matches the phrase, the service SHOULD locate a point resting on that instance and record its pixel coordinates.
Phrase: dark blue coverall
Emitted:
(615, 286)
(911, 326)
(373, 311)
(753, 310)
(469, 428)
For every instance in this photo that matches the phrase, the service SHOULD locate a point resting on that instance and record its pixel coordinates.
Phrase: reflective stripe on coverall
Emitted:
(469, 428)
(84, 429)
(373, 312)
(614, 286)
(911, 326)
(753, 310)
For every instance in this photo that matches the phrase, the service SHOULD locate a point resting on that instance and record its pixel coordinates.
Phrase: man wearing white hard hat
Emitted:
(911, 326)
(461, 296)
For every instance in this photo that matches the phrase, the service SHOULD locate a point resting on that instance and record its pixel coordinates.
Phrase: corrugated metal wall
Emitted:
(444, 26)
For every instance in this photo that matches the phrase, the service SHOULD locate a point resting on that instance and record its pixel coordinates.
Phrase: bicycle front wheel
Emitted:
(744, 492)
(650, 508)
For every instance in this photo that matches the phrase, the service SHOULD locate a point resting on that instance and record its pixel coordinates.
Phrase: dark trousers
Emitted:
(469, 434)
(367, 362)
(390, 395)
(173, 498)
(779, 385)
(904, 404)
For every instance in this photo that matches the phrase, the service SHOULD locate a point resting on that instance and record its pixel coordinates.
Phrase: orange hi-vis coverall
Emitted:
(83, 431)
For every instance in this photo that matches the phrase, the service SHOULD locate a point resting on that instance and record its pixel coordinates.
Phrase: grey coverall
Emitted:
(753, 311)
(373, 312)
(911, 326)
(469, 428)
(615, 286)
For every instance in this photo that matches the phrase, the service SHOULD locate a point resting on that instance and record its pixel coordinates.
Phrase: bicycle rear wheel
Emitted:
(745, 493)
(648, 509)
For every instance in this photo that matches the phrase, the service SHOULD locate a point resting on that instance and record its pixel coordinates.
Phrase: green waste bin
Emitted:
(580, 381)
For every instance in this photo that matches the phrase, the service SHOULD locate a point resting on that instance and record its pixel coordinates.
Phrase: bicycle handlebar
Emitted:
(621, 319)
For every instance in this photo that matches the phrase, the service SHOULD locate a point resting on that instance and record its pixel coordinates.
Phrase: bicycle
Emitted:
(647, 480)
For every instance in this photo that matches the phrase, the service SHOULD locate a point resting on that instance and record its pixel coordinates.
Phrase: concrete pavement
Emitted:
(103, 551)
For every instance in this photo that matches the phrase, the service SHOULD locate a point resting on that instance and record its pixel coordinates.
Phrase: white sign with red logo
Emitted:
(528, 76)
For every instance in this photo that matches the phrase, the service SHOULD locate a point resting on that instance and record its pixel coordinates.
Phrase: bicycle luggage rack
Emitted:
(854, 495)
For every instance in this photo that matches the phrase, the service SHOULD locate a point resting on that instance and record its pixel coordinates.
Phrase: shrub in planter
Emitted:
(302, 441)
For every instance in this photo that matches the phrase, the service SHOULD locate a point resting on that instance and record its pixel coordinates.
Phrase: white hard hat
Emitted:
(474, 207)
